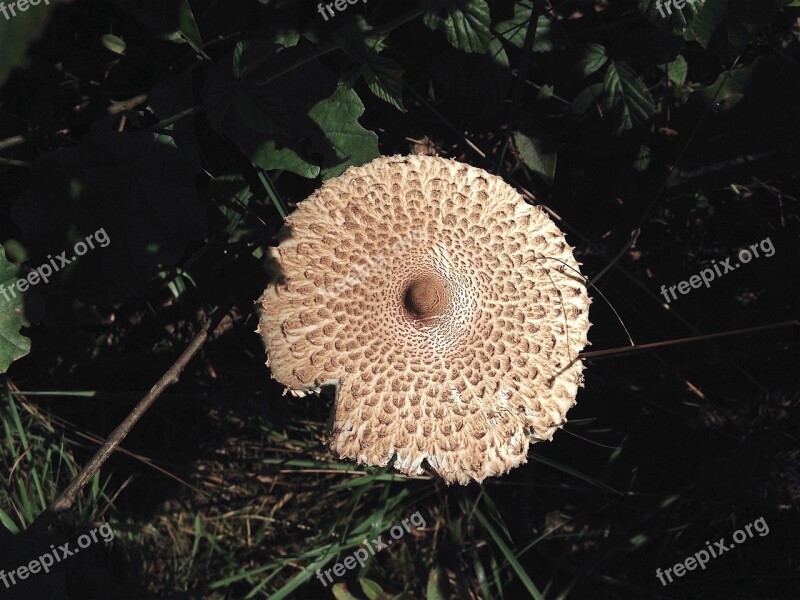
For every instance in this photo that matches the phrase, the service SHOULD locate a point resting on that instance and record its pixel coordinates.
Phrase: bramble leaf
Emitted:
(139, 187)
(626, 97)
(13, 345)
(465, 23)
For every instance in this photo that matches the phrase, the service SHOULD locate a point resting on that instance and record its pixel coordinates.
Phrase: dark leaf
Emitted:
(538, 153)
(19, 32)
(464, 22)
(139, 188)
(626, 98)
(13, 345)
(515, 29)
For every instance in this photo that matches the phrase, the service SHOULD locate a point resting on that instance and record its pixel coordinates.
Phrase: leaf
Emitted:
(383, 75)
(299, 120)
(729, 88)
(626, 97)
(510, 557)
(642, 160)
(677, 70)
(346, 143)
(588, 98)
(437, 588)
(340, 592)
(465, 23)
(138, 187)
(591, 59)
(384, 78)
(456, 76)
(570, 471)
(727, 26)
(170, 20)
(371, 589)
(114, 44)
(516, 28)
(231, 195)
(249, 55)
(17, 33)
(706, 22)
(545, 92)
(538, 154)
(13, 345)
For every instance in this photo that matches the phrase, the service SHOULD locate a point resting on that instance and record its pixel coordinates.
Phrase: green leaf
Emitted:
(340, 592)
(138, 187)
(437, 588)
(509, 554)
(384, 78)
(588, 99)
(642, 160)
(729, 88)
(231, 195)
(114, 44)
(515, 29)
(706, 22)
(371, 589)
(626, 97)
(677, 70)
(17, 33)
(297, 119)
(591, 59)
(250, 55)
(727, 26)
(465, 23)
(538, 153)
(13, 345)
(570, 471)
(545, 92)
(383, 75)
(170, 20)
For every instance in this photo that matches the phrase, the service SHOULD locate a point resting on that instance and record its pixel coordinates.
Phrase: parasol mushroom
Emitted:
(447, 312)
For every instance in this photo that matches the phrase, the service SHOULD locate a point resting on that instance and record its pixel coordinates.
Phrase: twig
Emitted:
(114, 109)
(626, 349)
(68, 497)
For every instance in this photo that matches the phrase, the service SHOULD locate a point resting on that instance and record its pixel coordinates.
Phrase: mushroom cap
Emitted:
(448, 313)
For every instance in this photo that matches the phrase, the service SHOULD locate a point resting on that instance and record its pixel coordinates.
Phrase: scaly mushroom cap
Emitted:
(448, 313)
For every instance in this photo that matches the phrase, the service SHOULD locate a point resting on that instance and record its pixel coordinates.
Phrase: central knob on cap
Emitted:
(424, 298)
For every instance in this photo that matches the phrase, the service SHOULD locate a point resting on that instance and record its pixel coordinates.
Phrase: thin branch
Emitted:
(640, 347)
(68, 497)
(114, 109)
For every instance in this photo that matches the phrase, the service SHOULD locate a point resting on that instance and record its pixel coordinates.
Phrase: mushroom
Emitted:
(448, 314)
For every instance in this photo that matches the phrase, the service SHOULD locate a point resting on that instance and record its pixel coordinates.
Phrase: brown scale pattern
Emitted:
(424, 289)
